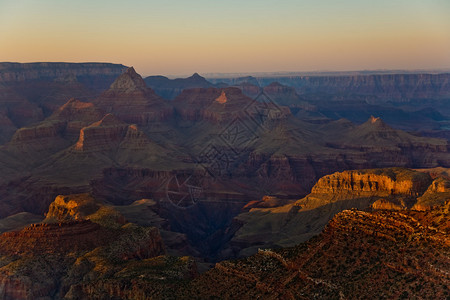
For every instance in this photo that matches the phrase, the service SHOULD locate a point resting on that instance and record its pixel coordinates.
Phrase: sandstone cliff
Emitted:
(392, 188)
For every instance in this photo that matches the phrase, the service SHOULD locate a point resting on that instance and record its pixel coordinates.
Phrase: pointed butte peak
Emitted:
(129, 81)
(197, 78)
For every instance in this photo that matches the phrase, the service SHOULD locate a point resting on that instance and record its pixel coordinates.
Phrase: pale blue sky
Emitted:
(182, 37)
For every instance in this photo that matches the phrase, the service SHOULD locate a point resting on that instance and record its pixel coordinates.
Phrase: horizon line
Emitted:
(258, 73)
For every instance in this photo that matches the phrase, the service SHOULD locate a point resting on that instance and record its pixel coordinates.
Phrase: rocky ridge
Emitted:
(391, 188)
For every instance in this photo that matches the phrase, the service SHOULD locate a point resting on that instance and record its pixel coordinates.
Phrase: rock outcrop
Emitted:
(381, 181)
(392, 188)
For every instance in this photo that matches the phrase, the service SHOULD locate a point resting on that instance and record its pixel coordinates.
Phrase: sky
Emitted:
(171, 37)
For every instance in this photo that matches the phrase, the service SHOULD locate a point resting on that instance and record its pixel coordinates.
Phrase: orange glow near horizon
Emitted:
(253, 37)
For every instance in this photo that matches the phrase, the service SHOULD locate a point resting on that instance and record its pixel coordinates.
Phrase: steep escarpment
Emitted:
(392, 188)
(94, 74)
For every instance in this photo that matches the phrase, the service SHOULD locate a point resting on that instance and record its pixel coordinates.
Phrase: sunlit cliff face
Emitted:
(222, 99)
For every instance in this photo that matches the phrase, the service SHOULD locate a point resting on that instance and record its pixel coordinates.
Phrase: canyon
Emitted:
(86, 248)
(133, 186)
